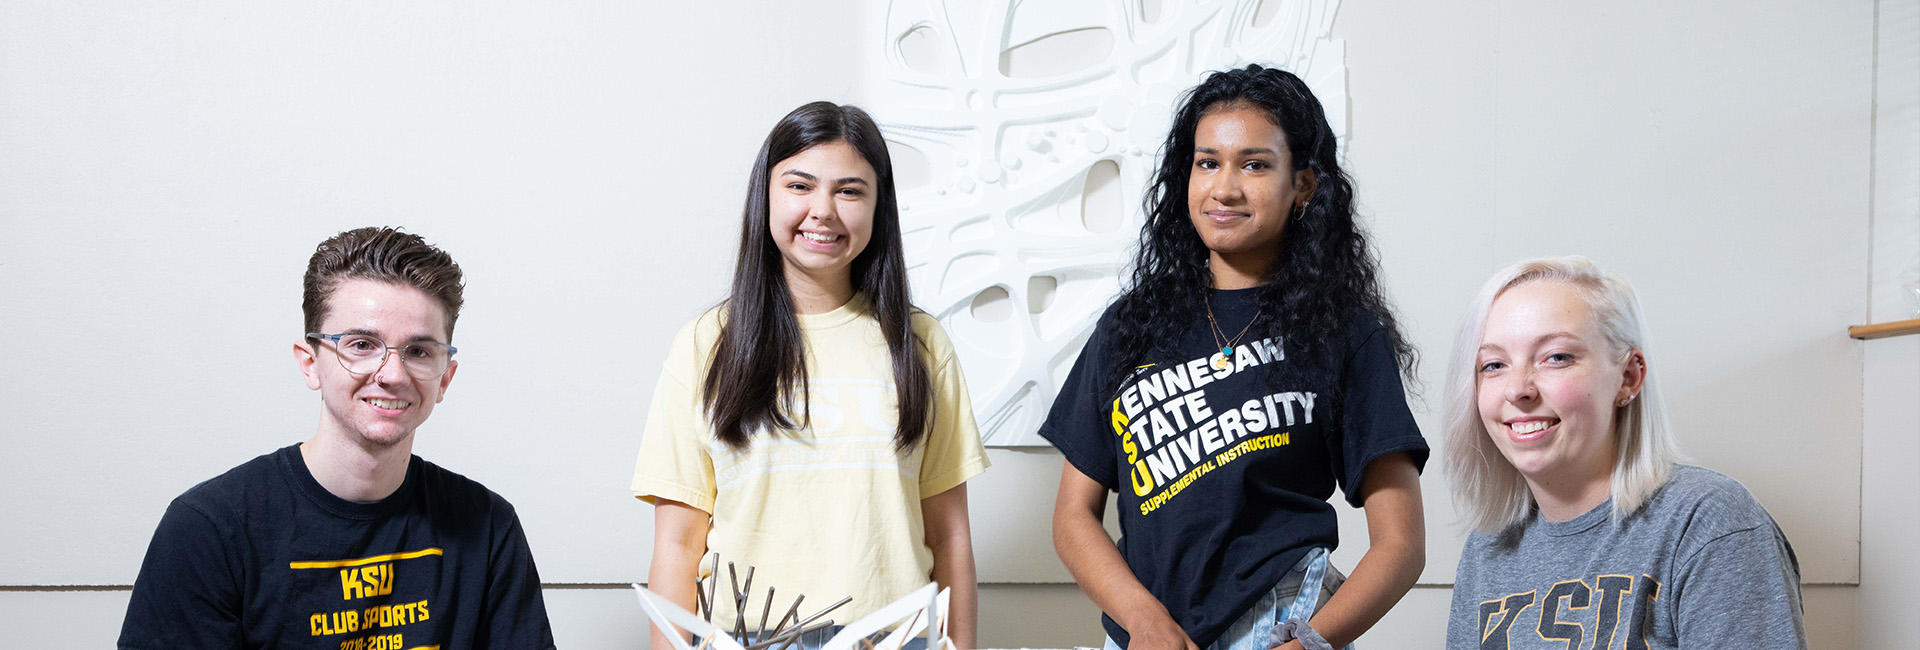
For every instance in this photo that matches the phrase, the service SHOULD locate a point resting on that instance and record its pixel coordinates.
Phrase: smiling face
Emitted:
(1243, 186)
(820, 206)
(1549, 387)
(380, 409)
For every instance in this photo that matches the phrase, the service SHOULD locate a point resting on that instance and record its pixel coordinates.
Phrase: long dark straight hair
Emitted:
(1324, 273)
(758, 380)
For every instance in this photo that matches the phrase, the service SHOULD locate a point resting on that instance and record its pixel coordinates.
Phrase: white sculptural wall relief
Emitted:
(1024, 134)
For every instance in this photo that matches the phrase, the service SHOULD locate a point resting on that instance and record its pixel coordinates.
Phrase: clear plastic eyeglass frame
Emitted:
(421, 358)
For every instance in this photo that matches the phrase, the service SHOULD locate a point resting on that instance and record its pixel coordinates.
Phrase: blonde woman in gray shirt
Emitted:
(1588, 530)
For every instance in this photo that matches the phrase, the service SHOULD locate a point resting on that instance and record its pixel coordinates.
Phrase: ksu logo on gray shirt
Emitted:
(1700, 551)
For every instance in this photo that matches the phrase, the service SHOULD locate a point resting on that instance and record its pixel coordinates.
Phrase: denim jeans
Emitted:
(1254, 628)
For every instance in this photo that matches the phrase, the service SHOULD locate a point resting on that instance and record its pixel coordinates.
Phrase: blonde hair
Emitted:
(1491, 493)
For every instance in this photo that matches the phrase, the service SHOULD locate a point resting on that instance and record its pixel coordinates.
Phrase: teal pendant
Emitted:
(1227, 351)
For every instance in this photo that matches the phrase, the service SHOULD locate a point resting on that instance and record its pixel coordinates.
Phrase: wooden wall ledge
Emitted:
(1884, 330)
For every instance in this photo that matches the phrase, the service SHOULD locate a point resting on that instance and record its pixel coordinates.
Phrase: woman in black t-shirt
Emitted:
(1250, 367)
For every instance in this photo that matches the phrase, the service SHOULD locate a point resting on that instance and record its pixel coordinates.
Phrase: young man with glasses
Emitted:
(348, 540)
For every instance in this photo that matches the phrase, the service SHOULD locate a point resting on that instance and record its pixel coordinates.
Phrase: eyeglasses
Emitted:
(363, 354)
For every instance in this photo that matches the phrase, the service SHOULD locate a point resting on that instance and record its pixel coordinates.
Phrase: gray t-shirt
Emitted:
(1700, 565)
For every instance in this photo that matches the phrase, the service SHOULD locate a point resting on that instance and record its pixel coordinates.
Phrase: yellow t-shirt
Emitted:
(830, 511)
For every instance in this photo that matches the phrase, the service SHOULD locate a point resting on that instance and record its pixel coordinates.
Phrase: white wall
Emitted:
(1717, 159)
(165, 170)
(1889, 515)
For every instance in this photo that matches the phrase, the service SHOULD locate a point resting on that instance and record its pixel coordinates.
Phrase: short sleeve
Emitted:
(1081, 422)
(187, 594)
(1374, 418)
(674, 461)
(954, 453)
(1741, 590)
(516, 608)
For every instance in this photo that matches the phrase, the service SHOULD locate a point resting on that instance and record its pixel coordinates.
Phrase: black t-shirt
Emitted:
(1224, 476)
(264, 557)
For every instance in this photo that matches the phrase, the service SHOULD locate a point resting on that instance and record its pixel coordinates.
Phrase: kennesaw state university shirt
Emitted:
(1224, 475)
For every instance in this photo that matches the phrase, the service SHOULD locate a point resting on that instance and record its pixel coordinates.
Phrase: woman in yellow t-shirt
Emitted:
(814, 426)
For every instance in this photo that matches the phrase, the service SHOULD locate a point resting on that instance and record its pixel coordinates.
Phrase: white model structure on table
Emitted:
(923, 611)
(1024, 135)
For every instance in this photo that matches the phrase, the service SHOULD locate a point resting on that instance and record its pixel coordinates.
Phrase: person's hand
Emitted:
(1290, 645)
(1160, 633)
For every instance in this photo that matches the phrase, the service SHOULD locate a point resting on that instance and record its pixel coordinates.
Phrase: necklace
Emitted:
(1226, 345)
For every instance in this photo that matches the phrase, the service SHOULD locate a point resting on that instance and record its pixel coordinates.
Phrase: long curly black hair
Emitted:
(1325, 273)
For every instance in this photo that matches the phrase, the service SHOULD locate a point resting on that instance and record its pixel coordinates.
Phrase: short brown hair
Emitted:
(382, 254)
